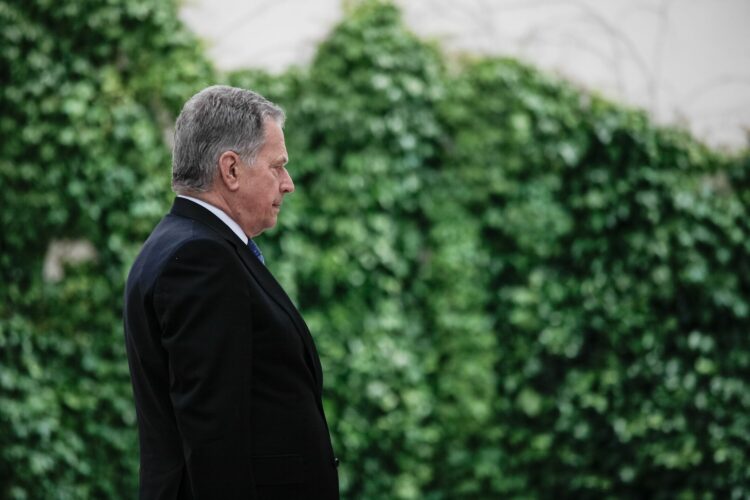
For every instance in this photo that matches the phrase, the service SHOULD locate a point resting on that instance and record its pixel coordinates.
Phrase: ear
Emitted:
(229, 165)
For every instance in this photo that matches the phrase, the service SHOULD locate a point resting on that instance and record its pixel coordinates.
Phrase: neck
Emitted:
(220, 201)
(211, 197)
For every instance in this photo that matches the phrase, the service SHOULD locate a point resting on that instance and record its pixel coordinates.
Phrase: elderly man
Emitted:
(226, 378)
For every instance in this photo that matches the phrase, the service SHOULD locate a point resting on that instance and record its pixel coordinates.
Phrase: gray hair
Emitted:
(215, 120)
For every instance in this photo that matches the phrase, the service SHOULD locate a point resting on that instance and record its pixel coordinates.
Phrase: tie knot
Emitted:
(256, 251)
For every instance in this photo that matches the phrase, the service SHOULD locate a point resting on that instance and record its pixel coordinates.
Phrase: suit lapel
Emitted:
(266, 280)
(186, 208)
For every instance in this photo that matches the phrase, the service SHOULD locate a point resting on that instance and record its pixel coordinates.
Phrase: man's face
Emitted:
(264, 184)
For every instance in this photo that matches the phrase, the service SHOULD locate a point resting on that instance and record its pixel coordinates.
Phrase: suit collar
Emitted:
(186, 208)
(221, 214)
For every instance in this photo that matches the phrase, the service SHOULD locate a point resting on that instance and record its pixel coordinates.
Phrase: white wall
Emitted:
(686, 61)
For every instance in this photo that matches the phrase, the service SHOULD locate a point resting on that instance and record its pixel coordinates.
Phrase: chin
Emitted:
(269, 225)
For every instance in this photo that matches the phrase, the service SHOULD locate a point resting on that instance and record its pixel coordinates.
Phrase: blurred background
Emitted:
(685, 62)
(520, 234)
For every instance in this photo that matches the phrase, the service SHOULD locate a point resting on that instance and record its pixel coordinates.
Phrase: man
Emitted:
(226, 378)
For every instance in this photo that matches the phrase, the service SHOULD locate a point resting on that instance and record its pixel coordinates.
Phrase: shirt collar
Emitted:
(221, 215)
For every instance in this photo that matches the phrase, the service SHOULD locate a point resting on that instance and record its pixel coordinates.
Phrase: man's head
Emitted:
(229, 150)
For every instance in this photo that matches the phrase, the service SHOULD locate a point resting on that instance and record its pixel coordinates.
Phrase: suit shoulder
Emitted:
(177, 239)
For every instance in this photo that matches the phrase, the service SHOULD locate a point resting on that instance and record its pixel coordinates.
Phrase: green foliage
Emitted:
(517, 289)
(87, 91)
(618, 292)
(362, 136)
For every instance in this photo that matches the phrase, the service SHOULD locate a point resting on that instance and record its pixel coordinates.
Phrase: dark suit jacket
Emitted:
(226, 378)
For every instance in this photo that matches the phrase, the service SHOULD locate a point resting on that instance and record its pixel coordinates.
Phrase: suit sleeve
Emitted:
(203, 303)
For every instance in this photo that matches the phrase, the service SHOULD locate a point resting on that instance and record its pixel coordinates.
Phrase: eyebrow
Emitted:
(283, 159)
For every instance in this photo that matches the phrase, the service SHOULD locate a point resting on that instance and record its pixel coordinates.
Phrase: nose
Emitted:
(287, 185)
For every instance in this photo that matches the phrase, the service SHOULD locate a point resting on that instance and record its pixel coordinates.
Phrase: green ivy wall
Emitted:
(518, 289)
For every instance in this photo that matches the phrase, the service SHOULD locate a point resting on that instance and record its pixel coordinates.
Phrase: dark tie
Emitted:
(254, 248)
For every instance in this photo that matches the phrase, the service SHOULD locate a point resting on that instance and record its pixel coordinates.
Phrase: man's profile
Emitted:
(226, 378)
